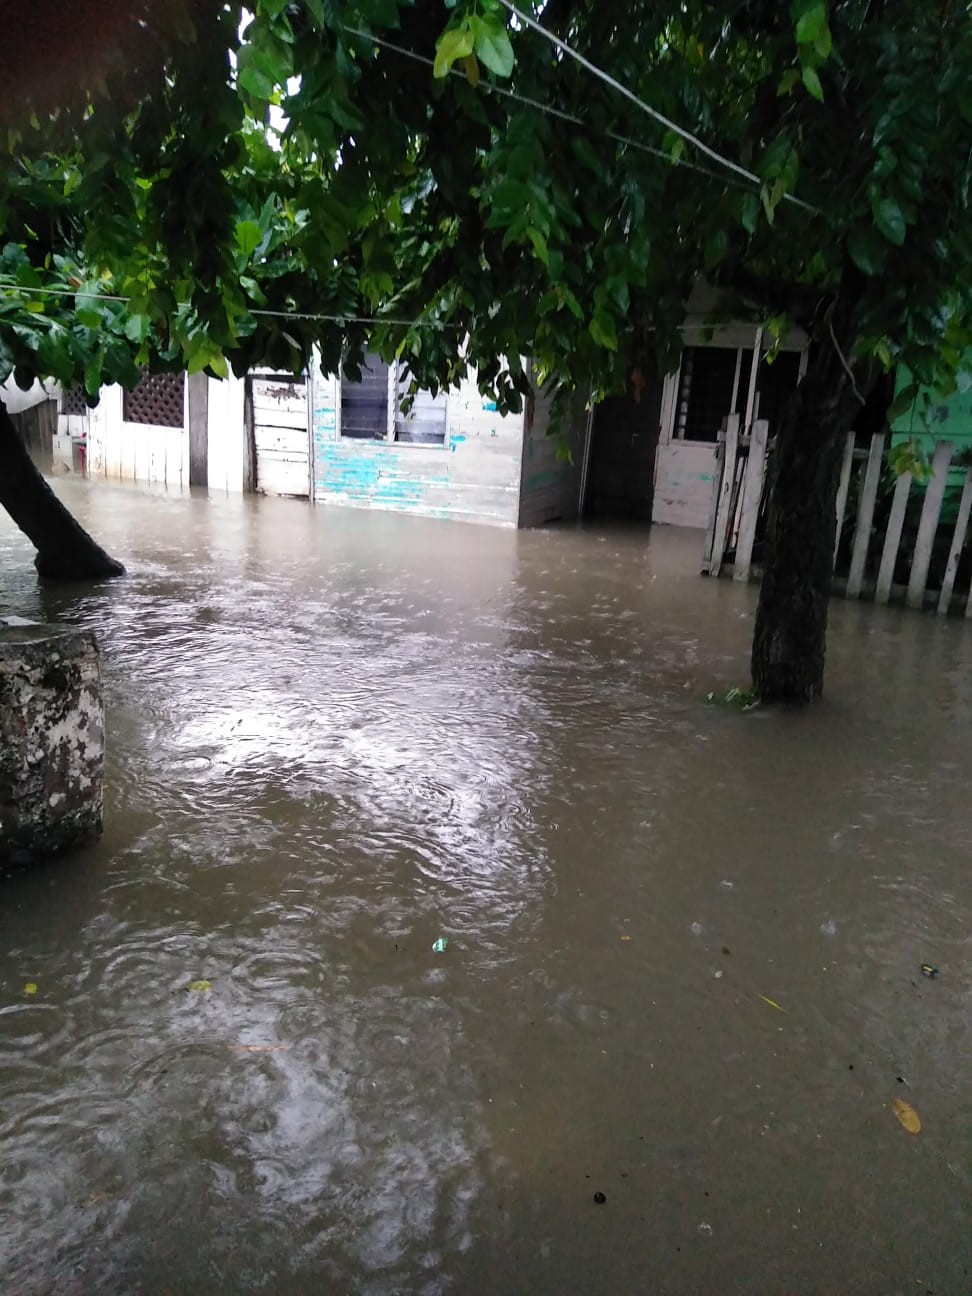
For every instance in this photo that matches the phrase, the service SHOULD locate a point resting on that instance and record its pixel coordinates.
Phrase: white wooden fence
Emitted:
(737, 500)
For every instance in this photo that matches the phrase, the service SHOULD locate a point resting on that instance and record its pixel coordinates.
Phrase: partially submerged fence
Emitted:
(898, 539)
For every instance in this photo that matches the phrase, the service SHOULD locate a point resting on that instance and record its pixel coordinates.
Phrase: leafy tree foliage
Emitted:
(444, 183)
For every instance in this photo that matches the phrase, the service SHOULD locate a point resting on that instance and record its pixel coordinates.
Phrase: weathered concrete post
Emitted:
(52, 738)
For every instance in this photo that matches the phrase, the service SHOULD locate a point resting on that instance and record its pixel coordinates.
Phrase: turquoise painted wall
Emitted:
(951, 416)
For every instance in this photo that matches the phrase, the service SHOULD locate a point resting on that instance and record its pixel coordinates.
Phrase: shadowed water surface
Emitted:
(336, 736)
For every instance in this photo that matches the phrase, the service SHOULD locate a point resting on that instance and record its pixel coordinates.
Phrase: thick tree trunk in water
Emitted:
(791, 622)
(65, 551)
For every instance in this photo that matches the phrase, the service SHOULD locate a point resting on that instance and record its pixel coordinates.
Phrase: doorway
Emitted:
(621, 462)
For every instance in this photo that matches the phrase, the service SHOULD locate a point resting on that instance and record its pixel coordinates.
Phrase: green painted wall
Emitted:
(951, 417)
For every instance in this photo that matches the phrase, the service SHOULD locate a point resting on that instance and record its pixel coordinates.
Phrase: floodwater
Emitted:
(335, 737)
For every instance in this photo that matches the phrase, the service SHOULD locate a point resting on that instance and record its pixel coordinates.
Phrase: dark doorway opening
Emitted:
(621, 460)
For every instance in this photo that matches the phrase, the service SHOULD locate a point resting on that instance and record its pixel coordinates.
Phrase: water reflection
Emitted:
(336, 736)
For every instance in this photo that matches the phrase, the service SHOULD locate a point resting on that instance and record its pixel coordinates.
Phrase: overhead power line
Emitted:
(551, 110)
(270, 314)
(285, 315)
(673, 126)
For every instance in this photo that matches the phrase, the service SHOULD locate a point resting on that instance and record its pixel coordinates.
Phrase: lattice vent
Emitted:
(158, 399)
(73, 402)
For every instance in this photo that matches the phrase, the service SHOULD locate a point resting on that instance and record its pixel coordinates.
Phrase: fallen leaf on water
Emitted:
(199, 986)
(259, 1048)
(773, 1004)
(907, 1115)
(30, 988)
(625, 937)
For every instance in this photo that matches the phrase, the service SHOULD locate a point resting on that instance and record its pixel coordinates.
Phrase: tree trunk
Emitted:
(791, 621)
(65, 551)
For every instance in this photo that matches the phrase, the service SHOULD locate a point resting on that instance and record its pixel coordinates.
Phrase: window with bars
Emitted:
(158, 399)
(364, 404)
(365, 414)
(715, 382)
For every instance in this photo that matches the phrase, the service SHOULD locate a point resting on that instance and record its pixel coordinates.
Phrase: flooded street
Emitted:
(683, 942)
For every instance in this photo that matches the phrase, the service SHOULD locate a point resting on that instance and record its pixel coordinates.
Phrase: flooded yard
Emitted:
(681, 987)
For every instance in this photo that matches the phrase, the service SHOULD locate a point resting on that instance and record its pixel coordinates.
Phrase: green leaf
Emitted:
(810, 17)
(788, 80)
(812, 82)
(867, 250)
(539, 244)
(572, 304)
(766, 197)
(903, 402)
(470, 65)
(92, 374)
(749, 215)
(492, 44)
(6, 360)
(603, 331)
(716, 247)
(137, 328)
(889, 219)
(824, 43)
(199, 987)
(249, 236)
(256, 82)
(452, 45)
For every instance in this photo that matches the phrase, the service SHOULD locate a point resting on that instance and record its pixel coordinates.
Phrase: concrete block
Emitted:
(52, 739)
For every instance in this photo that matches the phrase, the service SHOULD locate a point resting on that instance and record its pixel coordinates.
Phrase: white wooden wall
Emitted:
(135, 451)
(227, 435)
(160, 455)
(686, 472)
(281, 435)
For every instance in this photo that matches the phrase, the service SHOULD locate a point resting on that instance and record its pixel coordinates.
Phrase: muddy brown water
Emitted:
(336, 736)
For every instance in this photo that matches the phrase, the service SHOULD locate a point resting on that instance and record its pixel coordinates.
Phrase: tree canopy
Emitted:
(209, 183)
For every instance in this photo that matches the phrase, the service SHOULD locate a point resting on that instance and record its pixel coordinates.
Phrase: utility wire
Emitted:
(552, 111)
(646, 108)
(289, 315)
(270, 314)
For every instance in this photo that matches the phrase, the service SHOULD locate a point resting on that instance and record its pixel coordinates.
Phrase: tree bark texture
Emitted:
(65, 551)
(791, 621)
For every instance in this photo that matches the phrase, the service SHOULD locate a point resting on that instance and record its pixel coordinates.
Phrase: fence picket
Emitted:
(735, 512)
(843, 488)
(892, 541)
(865, 515)
(720, 458)
(723, 517)
(958, 541)
(932, 507)
(752, 493)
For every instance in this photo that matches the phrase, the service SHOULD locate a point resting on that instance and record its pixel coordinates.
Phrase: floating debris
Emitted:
(773, 1004)
(906, 1115)
(258, 1048)
(929, 970)
(439, 946)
